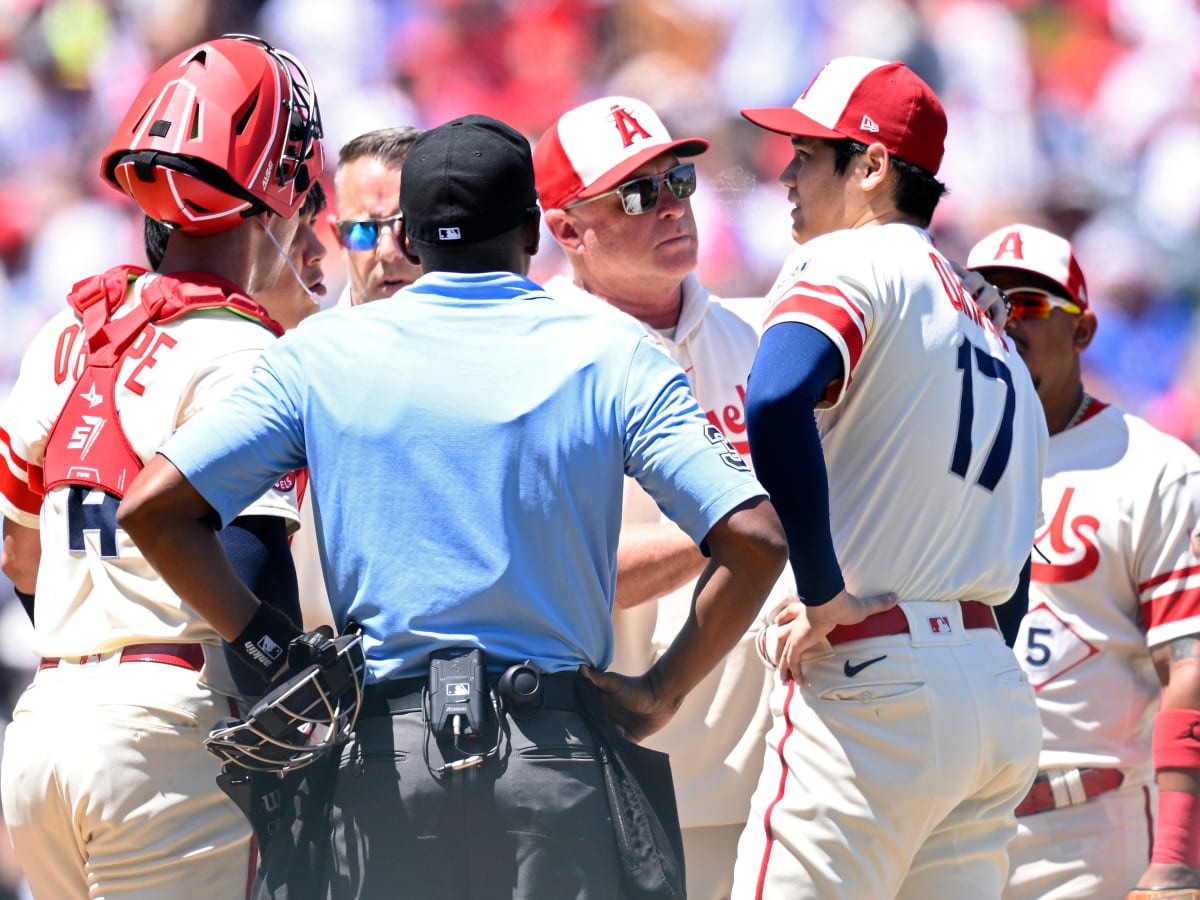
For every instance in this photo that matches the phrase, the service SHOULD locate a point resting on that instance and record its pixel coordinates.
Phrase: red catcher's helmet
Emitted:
(221, 132)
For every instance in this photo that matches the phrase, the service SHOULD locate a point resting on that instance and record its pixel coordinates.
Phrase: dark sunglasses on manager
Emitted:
(640, 195)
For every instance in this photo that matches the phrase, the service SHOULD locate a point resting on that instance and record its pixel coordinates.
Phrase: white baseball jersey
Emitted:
(715, 739)
(1117, 572)
(106, 595)
(934, 443)
(919, 358)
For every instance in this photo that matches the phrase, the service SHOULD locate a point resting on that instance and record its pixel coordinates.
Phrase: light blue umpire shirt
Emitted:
(466, 441)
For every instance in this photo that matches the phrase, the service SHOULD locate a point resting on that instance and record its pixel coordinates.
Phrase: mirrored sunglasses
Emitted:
(364, 234)
(640, 195)
(1034, 303)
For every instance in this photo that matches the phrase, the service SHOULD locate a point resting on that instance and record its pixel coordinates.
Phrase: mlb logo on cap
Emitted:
(866, 100)
(594, 147)
(1035, 250)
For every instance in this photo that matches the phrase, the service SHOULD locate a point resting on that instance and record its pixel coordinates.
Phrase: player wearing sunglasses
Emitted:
(617, 199)
(367, 200)
(1111, 637)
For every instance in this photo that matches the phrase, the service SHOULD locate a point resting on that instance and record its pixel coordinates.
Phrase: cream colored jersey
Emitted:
(920, 361)
(715, 739)
(95, 591)
(1117, 572)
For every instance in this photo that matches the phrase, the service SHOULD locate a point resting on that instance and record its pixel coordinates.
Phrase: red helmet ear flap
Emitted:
(219, 132)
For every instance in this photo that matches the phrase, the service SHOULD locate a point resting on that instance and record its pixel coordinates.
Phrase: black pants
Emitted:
(531, 821)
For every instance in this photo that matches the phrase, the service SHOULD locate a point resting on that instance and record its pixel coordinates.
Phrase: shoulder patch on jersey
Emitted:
(729, 455)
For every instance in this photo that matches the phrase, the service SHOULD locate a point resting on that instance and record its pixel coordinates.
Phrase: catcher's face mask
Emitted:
(300, 719)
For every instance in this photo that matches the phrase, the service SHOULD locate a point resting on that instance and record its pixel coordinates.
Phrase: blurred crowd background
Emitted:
(1078, 115)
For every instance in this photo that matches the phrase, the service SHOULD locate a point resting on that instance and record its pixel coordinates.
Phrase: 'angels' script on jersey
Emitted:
(1080, 547)
(1047, 647)
(732, 421)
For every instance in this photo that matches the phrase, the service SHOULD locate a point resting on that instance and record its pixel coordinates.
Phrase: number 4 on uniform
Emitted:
(85, 514)
(997, 457)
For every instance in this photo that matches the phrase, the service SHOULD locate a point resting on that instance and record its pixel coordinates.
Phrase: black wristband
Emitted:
(264, 641)
(26, 602)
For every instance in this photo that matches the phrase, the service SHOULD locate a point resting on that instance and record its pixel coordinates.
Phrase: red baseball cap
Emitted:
(1031, 249)
(594, 147)
(867, 100)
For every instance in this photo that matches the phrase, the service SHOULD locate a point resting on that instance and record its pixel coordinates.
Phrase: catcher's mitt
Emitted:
(300, 719)
(1163, 894)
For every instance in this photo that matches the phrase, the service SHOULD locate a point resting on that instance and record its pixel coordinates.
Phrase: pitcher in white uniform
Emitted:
(903, 444)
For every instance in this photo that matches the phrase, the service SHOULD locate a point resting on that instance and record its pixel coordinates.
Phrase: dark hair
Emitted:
(389, 145)
(917, 191)
(314, 204)
(154, 236)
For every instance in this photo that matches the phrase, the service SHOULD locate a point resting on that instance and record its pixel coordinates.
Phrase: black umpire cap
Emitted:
(466, 181)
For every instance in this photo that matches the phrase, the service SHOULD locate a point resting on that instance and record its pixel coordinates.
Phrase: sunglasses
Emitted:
(364, 234)
(640, 195)
(1034, 303)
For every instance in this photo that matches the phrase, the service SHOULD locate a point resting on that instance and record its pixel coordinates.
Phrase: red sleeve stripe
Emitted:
(834, 315)
(1173, 607)
(829, 293)
(18, 492)
(1168, 576)
(14, 479)
(10, 455)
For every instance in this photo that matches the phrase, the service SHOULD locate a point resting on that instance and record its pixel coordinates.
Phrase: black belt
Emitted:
(403, 695)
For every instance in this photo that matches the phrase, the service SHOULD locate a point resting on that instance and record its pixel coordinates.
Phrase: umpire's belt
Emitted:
(1067, 787)
(186, 656)
(894, 621)
(403, 695)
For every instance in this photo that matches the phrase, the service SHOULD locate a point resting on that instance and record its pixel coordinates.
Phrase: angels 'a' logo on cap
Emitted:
(628, 126)
(1011, 246)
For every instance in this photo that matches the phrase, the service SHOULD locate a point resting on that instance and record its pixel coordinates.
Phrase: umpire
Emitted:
(467, 440)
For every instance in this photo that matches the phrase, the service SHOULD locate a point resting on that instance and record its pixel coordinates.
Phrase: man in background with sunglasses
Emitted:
(367, 199)
(900, 436)
(1113, 623)
(615, 188)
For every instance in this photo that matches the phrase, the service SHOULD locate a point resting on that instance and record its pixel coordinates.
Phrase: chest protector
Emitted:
(86, 445)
